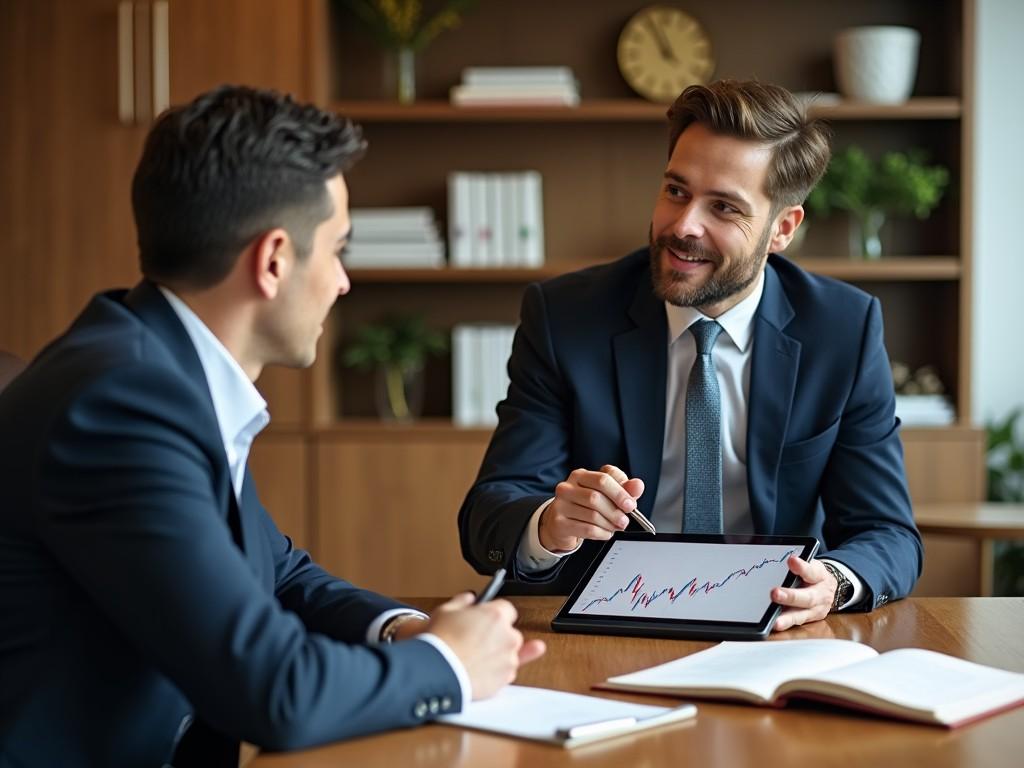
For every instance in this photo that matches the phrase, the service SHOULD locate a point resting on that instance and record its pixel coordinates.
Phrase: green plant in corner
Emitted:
(397, 347)
(1006, 483)
(900, 183)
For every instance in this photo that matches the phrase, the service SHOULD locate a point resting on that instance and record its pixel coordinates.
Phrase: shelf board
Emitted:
(618, 110)
(909, 268)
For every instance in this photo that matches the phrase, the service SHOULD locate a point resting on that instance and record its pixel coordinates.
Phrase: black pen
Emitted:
(491, 590)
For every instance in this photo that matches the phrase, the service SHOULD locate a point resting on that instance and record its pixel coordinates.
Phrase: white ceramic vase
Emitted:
(877, 64)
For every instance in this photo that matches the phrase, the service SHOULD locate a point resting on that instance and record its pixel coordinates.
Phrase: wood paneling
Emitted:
(387, 510)
(279, 466)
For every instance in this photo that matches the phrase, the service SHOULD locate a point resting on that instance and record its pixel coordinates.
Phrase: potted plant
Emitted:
(1006, 484)
(402, 27)
(397, 349)
(900, 183)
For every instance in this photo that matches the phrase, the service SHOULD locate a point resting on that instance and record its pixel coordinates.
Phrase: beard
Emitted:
(675, 287)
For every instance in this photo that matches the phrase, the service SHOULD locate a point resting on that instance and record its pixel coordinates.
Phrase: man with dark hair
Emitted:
(714, 385)
(152, 613)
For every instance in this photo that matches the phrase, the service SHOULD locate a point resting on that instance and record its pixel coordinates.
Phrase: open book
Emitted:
(566, 719)
(909, 683)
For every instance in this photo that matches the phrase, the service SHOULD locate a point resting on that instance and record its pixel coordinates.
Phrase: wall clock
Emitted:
(661, 51)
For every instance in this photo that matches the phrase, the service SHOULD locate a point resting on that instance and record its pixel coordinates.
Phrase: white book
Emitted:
(510, 228)
(458, 219)
(499, 75)
(513, 90)
(514, 99)
(909, 683)
(565, 719)
(480, 248)
(531, 230)
(416, 214)
(496, 217)
(463, 414)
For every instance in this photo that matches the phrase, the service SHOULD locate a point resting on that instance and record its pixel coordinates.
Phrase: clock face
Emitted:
(661, 51)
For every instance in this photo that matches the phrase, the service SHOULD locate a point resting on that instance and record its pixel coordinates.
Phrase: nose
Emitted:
(689, 222)
(344, 284)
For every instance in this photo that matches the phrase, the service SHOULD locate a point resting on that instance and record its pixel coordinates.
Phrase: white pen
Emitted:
(596, 726)
(646, 524)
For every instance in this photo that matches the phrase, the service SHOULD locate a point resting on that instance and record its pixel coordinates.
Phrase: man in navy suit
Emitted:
(791, 426)
(152, 613)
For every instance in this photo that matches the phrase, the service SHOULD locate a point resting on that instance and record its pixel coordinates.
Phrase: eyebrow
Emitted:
(735, 197)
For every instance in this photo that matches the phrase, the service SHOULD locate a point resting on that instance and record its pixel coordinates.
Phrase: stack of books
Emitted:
(394, 238)
(495, 219)
(480, 355)
(516, 86)
(925, 410)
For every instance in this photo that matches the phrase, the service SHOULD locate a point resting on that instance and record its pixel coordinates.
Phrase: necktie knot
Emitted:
(705, 333)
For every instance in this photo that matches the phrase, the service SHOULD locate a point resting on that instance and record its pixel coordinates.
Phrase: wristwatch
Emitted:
(387, 634)
(844, 587)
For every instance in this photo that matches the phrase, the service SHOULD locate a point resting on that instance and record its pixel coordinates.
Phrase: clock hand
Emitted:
(659, 37)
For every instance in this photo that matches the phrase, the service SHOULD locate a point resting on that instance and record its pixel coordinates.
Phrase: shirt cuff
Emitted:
(377, 626)
(454, 662)
(858, 585)
(531, 556)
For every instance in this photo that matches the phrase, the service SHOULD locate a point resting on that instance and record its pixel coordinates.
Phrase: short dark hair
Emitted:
(764, 113)
(219, 171)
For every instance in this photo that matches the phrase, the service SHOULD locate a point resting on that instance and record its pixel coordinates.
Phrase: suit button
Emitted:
(446, 703)
(435, 706)
(496, 555)
(420, 710)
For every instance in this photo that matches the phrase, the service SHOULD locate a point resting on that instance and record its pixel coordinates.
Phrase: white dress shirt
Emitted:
(241, 415)
(732, 358)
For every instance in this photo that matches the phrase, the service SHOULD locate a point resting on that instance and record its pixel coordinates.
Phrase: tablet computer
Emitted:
(683, 585)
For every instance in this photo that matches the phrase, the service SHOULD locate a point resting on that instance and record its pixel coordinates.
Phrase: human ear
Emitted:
(784, 227)
(272, 258)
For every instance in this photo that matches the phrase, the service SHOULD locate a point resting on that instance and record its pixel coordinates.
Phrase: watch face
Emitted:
(661, 51)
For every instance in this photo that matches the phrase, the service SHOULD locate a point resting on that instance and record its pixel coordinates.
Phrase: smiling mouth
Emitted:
(681, 261)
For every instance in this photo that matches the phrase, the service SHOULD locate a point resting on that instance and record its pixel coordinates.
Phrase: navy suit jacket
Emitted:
(135, 593)
(588, 376)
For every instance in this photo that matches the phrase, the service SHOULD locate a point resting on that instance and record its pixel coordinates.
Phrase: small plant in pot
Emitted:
(396, 348)
(899, 183)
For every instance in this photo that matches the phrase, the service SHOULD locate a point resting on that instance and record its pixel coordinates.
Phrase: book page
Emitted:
(755, 667)
(538, 713)
(926, 685)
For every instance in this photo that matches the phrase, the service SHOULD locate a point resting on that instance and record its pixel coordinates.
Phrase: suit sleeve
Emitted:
(129, 511)
(528, 454)
(869, 525)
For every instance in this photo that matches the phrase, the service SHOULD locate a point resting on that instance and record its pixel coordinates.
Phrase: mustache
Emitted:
(688, 246)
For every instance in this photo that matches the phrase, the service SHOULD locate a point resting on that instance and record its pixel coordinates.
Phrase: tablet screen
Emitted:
(683, 585)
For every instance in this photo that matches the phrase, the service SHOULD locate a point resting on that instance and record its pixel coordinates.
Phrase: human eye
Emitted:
(723, 207)
(674, 190)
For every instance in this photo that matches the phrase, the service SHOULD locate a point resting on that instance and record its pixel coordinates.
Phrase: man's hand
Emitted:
(483, 638)
(812, 601)
(588, 505)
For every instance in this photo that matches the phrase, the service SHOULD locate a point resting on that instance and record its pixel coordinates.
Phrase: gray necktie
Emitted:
(702, 497)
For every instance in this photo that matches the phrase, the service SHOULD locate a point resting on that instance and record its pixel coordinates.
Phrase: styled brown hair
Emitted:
(747, 109)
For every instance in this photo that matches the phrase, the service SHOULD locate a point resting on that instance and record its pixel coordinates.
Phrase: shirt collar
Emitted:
(737, 322)
(236, 401)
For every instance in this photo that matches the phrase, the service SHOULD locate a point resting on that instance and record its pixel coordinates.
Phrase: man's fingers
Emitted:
(797, 598)
(615, 473)
(531, 650)
(607, 486)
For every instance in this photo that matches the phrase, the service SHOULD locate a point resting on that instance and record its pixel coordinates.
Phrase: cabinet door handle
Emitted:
(161, 58)
(125, 62)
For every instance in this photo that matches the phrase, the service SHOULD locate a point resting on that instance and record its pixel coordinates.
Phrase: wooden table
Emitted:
(985, 630)
(979, 521)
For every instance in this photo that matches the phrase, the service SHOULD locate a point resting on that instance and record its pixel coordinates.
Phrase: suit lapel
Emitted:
(774, 364)
(640, 368)
(146, 301)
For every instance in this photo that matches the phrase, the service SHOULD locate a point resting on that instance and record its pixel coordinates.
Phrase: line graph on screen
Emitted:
(685, 580)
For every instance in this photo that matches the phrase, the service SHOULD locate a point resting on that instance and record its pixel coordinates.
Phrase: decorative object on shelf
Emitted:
(496, 219)
(877, 64)
(920, 396)
(396, 349)
(661, 51)
(400, 27)
(900, 183)
(1005, 462)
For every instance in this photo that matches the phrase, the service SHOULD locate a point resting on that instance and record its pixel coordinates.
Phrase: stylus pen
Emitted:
(646, 524)
(492, 587)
